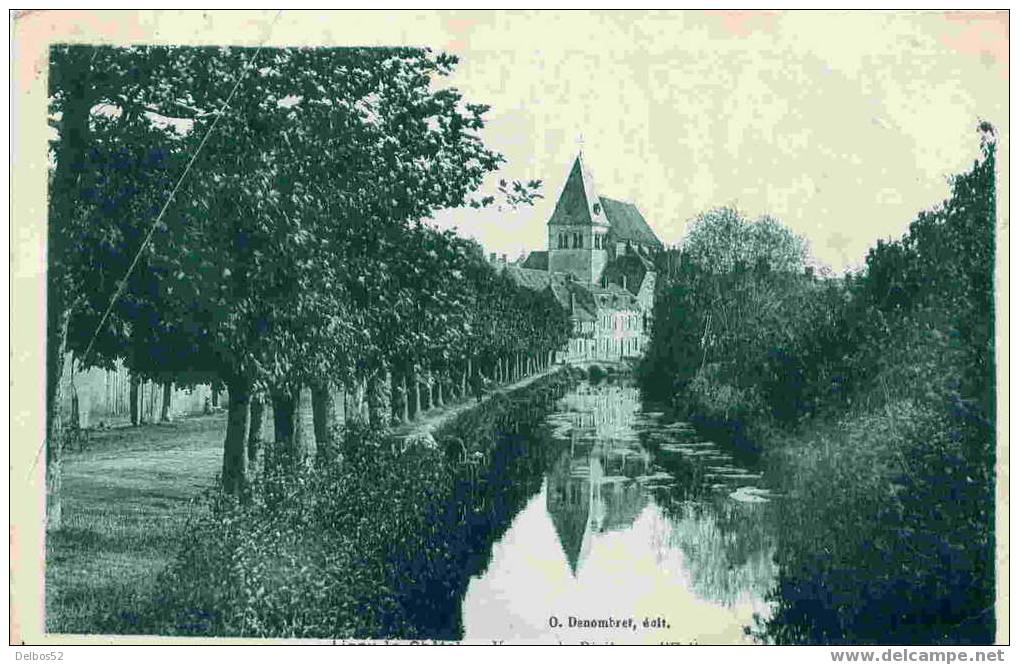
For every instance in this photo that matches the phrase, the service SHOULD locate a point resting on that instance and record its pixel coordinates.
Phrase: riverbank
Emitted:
(434, 419)
(134, 514)
(871, 400)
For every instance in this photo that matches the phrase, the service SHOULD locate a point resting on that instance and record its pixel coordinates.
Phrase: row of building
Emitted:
(598, 265)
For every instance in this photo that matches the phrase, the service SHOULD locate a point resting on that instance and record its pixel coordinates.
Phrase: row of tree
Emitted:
(267, 207)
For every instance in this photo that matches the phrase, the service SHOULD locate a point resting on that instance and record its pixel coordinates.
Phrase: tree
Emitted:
(723, 239)
(262, 272)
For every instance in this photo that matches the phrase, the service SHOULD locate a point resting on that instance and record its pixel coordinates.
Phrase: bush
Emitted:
(380, 543)
(872, 400)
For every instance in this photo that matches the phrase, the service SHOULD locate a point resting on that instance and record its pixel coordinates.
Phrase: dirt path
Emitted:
(435, 418)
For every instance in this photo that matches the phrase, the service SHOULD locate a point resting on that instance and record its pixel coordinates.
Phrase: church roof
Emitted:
(537, 260)
(628, 224)
(568, 502)
(579, 203)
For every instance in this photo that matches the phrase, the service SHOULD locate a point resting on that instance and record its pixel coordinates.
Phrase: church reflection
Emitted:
(637, 515)
(593, 488)
(600, 485)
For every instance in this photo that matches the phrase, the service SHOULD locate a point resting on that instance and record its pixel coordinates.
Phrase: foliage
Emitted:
(296, 250)
(379, 544)
(872, 398)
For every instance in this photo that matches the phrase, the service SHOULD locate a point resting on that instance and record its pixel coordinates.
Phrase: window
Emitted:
(578, 241)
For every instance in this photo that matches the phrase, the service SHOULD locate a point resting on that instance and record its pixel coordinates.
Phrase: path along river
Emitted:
(641, 526)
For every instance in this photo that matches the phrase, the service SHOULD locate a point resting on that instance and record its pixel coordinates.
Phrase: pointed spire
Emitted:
(579, 203)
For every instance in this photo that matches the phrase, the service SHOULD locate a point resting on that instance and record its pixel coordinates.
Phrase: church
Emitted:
(598, 264)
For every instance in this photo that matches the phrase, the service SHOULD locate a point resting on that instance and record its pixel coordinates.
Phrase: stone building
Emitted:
(598, 264)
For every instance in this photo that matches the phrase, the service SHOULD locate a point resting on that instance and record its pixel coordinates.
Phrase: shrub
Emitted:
(379, 543)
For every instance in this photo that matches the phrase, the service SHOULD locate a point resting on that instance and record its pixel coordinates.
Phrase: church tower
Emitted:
(577, 230)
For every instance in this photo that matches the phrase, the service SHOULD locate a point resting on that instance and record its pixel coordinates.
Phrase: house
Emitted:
(598, 264)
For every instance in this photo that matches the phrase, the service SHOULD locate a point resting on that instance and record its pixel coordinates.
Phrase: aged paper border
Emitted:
(32, 32)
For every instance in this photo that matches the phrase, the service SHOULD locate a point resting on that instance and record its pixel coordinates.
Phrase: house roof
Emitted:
(588, 299)
(579, 203)
(633, 265)
(628, 224)
(535, 280)
(537, 260)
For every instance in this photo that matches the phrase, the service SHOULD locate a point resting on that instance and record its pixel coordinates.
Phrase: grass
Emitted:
(127, 498)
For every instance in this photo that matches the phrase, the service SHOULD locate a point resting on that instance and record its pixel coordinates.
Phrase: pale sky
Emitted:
(841, 125)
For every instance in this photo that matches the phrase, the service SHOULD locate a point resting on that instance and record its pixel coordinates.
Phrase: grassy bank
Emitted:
(380, 544)
(127, 497)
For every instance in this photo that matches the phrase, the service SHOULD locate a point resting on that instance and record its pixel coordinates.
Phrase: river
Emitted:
(641, 532)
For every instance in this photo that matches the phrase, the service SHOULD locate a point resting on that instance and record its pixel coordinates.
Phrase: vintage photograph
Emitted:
(515, 327)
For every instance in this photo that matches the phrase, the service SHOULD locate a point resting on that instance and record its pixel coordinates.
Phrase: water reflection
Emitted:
(637, 519)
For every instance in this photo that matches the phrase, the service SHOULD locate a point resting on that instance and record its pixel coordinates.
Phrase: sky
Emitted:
(842, 125)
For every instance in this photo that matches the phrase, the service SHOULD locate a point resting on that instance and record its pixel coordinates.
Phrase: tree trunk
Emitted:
(56, 343)
(135, 401)
(417, 394)
(405, 407)
(215, 396)
(63, 207)
(349, 407)
(438, 392)
(75, 402)
(354, 407)
(152, 401)
(286, 453)
(238, 420)
(164, 414)
(324, 419)
(304, 426)
(340, 403)
(463, 380)
(380, 399)
(255, 427)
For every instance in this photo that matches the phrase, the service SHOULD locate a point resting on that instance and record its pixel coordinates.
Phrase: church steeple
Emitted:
(578, 228)
(579, 202)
